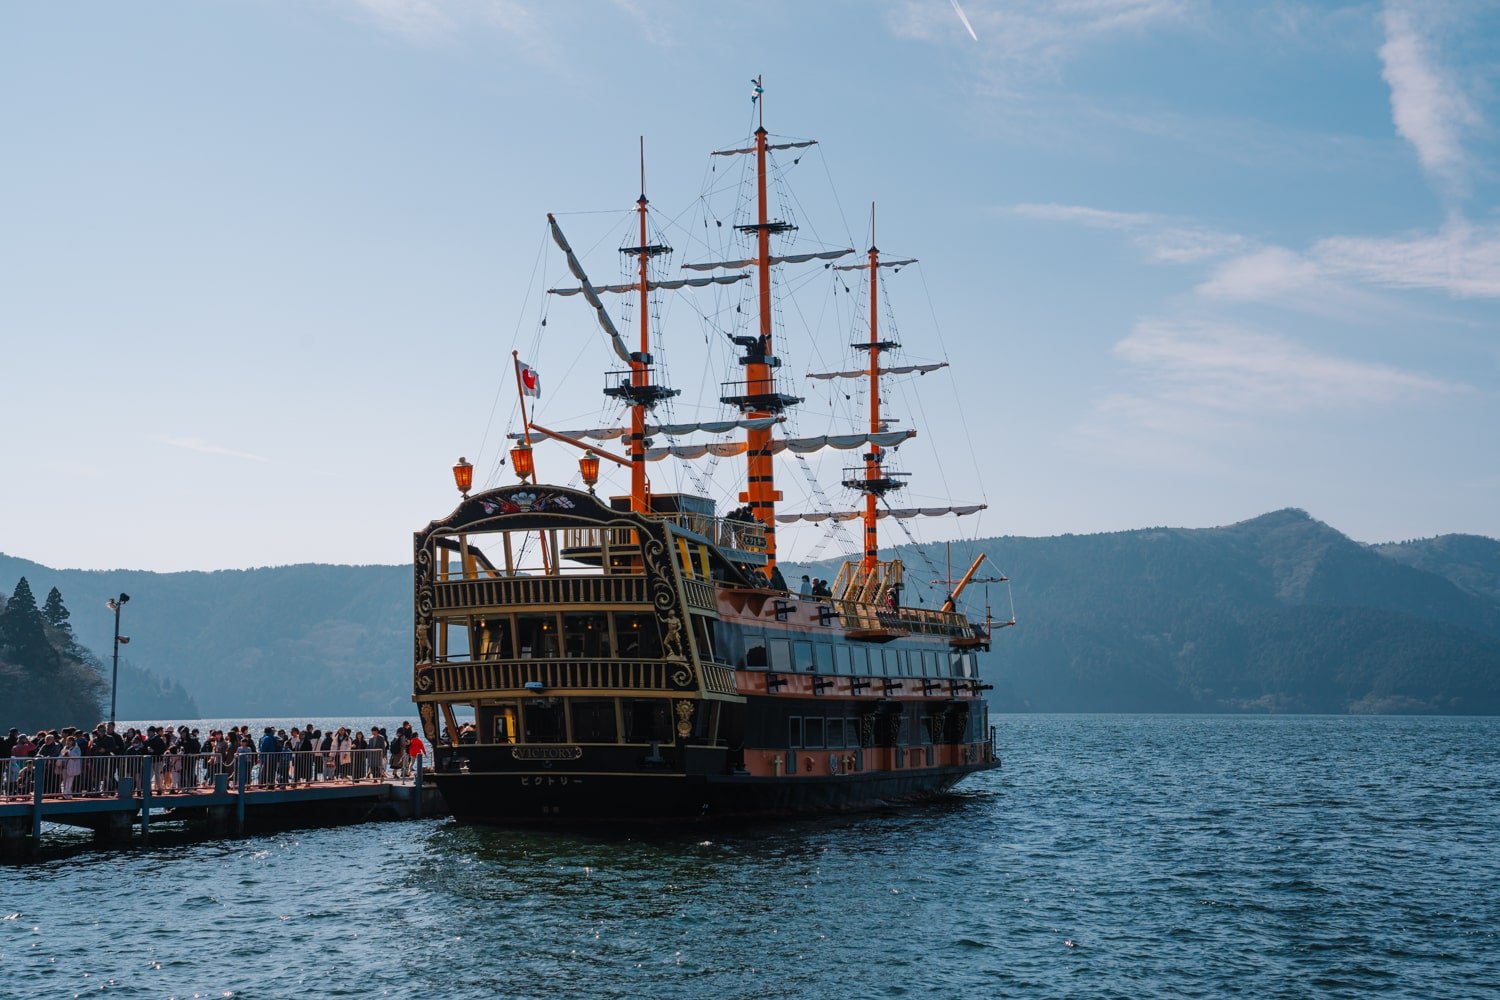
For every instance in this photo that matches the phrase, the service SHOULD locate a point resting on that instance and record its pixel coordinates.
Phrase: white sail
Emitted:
(796, 258)
(864, 373)
(651, 286)
(670, 430)
(901, 513)
(884, 263)
(769, 145)
(797, 446)
(605, 323)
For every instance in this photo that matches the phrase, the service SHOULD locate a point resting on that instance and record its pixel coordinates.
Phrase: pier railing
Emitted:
(186, 774)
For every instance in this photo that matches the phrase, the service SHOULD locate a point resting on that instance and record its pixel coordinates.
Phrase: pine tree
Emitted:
(56, 613)
(23, 629)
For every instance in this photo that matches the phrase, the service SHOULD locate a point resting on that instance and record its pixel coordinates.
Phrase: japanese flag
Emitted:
(531, 382)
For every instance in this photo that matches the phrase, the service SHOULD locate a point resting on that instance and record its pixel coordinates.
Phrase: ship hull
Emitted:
(545, 797)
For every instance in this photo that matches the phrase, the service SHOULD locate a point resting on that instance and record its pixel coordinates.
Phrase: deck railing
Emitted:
(487, 675)
(523, 591)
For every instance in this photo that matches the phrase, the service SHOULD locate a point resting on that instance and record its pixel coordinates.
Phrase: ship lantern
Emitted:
(520, 460)
(588, 466)
(463, 476)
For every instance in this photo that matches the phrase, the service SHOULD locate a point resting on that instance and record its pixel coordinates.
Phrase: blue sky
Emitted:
(263, 263)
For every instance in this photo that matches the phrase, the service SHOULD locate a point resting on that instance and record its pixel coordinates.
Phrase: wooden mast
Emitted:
(872, 457)
(760, 489)
(640, 376)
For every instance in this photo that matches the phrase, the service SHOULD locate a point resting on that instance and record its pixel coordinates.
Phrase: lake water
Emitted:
(1138, 856)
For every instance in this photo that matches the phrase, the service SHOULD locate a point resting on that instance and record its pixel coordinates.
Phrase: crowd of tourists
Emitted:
(183, 759)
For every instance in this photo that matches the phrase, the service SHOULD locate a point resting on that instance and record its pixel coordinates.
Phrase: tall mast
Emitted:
(760, 471)
(872, 457)
(641, 395)
(639, 376)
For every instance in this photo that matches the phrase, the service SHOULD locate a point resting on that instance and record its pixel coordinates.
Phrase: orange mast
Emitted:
(640, 394)
(761, 474)
(872, 458)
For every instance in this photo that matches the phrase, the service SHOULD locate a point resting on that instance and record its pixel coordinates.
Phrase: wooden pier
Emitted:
(250, 795)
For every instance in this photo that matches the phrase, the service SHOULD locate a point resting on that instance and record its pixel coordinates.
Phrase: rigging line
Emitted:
(489, 424)
(835, 191)
(942, 345)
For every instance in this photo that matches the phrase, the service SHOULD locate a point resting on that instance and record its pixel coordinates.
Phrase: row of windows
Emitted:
(812, 732)
(544, 635)
(756, 650)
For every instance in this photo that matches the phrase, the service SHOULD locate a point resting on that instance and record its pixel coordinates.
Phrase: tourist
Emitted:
(415, 749)
(398, 754)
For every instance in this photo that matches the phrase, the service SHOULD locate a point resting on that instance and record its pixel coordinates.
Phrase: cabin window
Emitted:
(892, 665)
(586, 636)
(924, 729)
(802, 654)
(593, 720)
(794, 731)
(647, 720)
(843, 660)
(494, 641)
(755, 649)
(861, 657)
(704, 637)
(835, 732)
(781, 654)
(536, 636)
(812, 731)
(823, 657)
(637, 637)
(543, 720)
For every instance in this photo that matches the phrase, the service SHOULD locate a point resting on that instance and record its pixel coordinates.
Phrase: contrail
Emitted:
(965, 19)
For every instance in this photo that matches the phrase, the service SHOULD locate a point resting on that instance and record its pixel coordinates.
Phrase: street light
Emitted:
(115, 604)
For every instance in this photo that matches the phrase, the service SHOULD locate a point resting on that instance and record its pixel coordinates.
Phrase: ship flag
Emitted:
(531, 381)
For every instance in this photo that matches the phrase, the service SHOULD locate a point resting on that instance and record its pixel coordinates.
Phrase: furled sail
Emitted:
(901, 513)
(797, 446)
(651, 286)
(605, 323)
(796, 258)
(670, 430)
(865, 373)
(769, 145)
(884, 263)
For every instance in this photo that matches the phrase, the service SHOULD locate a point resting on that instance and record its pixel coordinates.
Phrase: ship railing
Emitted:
(518, 591)
(920, 621)
(187, 774)
(466, 676)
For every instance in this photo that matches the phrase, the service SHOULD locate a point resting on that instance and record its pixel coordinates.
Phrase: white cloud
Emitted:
(1429, 109)
(1159, 237)
(1460, 259)
(203, 447)
(1022, 37)
(1228, 368)
(415, 19)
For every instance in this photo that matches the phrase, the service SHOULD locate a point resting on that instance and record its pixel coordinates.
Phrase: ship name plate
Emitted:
(546, 753)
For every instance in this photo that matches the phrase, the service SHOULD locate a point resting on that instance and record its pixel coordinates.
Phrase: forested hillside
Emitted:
(1280, 613)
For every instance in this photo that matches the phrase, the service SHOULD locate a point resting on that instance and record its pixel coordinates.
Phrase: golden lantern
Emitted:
(520, 460)
(463, 476)
(588, 466)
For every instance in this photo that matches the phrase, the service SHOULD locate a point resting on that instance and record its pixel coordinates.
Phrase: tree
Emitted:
(56, 612)
(23, 629)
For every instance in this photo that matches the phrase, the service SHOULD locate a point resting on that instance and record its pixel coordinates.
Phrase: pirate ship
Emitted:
(641, 657)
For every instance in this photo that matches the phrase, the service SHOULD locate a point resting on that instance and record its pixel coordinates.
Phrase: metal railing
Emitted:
(189, 774)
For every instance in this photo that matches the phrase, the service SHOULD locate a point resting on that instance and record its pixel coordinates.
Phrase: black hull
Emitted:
(520, 798)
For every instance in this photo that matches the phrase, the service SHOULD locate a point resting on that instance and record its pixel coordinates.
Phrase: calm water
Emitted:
(1112, 856)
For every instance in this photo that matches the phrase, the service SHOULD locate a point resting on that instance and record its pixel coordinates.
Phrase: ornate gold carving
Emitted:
(684, 718)
(671, 640)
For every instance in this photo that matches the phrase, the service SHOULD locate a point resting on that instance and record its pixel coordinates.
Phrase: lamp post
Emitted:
(463, 476)
(588, 467)
(115, 604)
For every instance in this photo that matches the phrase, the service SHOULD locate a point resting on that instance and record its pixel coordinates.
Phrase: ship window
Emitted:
(755, 649)
(647, 720)
(543, 718)
(536, 636)
(924, 729)
(781, 654)
(586, 635)
(495, 639)
(593, 720)
(835, 732)
(891, 668)
(861, 657)
(794, 731)
(812, 732)
(802, 655)
(637, 637)
(823, 653)
(844, 662)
